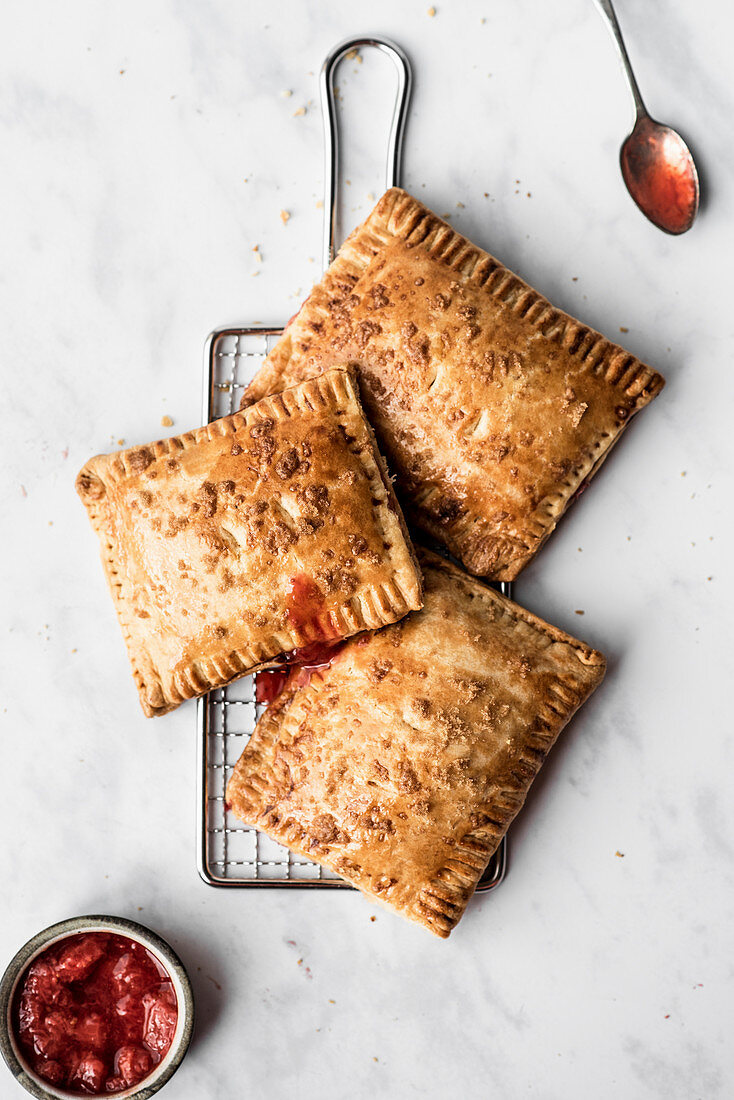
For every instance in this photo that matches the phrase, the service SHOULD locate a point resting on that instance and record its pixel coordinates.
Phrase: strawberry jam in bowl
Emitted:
(95, 1006)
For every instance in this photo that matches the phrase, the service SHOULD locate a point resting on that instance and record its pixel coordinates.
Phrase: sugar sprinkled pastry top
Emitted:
(492, 407)
(401, 764)
(260, 533)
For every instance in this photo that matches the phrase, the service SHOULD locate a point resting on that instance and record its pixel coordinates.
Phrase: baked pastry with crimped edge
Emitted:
(492, 407)
(402, 764)
(260, 533)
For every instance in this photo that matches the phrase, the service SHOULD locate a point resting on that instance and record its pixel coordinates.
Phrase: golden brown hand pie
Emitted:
(402, 764)
(492, 407)
(258, 534)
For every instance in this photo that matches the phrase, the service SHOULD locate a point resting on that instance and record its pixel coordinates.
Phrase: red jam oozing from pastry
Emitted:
(309, 659)
(306, 614)
(306, 609)
(94, 1014)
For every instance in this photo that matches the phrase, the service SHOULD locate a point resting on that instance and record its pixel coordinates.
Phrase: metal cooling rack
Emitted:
(229, 852)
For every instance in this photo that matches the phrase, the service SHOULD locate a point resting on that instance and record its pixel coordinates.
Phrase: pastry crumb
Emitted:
(332, 1002)
(23, 491)
(373, 918)
(320, 204)
(74, 650)
(623, 329)
(120, 442)
(578, 611)
(299, 112)
(666, 1016)
(166, 422)
(351, 55)
(431, 12)
(258, 254)
(375, 1059)
(286, 93)
(574, 278)
(285, 216)
(619, 854)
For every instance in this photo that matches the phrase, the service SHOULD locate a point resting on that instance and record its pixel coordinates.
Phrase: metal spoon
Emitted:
(656, 163)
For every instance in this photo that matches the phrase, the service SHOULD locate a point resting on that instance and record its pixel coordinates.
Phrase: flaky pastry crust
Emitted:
(492, 407)
(402, 764)
(260, 533)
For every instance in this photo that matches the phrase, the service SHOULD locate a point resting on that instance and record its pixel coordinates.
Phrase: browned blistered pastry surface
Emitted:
(259, 533)
(402, 764)
(491, 406)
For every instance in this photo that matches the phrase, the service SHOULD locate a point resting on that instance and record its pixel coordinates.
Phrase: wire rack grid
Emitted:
(231, 853)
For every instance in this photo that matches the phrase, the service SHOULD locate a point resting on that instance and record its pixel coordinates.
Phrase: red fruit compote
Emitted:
(94, 1014)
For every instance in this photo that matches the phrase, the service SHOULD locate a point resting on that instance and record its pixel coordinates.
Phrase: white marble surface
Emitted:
(147, 148)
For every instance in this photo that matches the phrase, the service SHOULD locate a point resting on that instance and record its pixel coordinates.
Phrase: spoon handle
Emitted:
(607, 11)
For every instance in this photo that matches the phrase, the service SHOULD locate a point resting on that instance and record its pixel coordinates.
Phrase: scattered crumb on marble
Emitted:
(578, 611)
(332, 1002)
(299, 112)
(623, 329)
(320, 204)
(683, 473)
(74, 650)
(120, 442)
(166, 422)
(285, 216)
(431, 12)
(286, 93)
(258, 254)
(351, 55)
(619, 854)
(373, 918)
(23, 491)
(65, 452)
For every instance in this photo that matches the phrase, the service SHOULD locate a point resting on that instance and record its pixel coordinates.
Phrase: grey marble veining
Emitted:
(148, 148)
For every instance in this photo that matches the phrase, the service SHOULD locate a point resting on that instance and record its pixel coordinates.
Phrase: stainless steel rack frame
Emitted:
(229, 852)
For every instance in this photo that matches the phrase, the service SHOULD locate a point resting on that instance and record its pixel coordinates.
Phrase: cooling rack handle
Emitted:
(331, 130)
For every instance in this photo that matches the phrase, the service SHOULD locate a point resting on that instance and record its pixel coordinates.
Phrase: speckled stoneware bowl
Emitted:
(169, 960)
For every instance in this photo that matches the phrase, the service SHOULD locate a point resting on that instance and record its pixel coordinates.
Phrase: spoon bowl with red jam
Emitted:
(95, 1006)
(657, 165)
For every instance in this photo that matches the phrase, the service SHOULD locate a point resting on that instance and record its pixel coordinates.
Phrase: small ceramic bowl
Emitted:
(169, 960)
